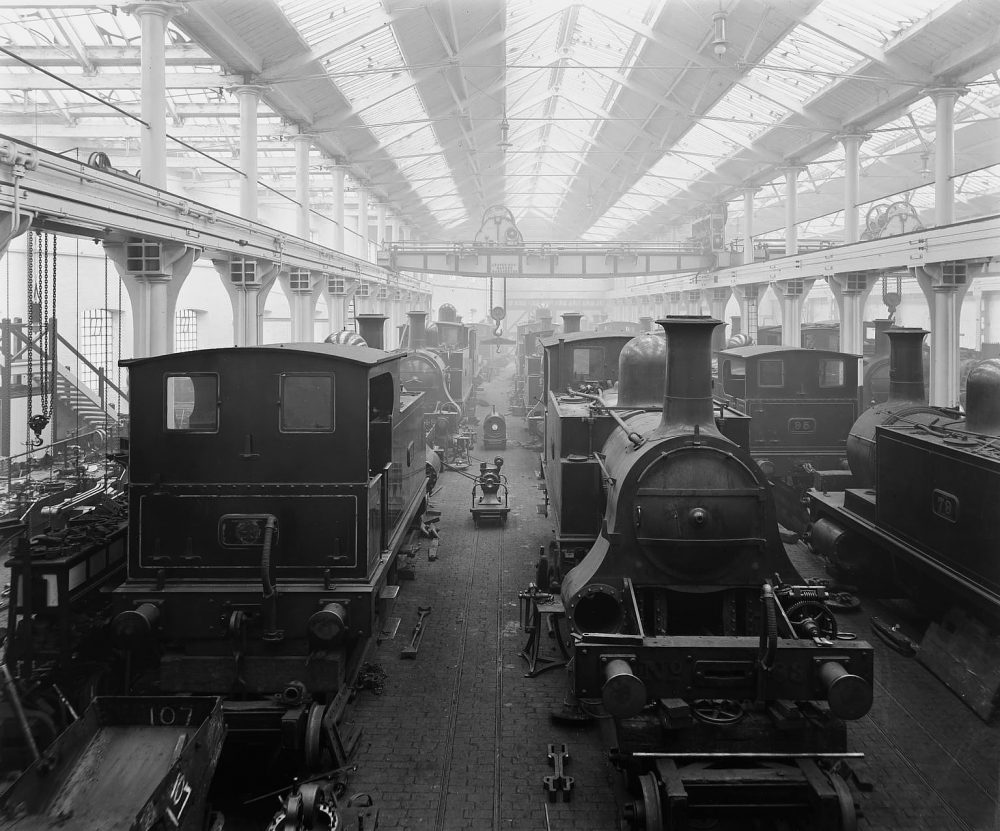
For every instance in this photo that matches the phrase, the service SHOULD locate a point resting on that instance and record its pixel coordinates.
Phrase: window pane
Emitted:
(96, 345)
(771, 374)
(306, 403)
(192, 403)
(185, 330)
(831, 373)
(588, 363)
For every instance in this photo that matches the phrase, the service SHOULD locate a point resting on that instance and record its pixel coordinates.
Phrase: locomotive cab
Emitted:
(270, 491)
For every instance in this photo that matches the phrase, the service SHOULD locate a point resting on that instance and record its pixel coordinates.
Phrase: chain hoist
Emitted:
(892, 299)
(30, 298)
(38, 307)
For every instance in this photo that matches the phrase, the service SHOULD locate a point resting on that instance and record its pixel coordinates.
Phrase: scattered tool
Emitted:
(410, 650)
(558, 781)
(894, 638)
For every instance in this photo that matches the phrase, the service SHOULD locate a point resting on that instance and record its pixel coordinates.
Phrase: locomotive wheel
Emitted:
(717, 711)
(649, 812)
(313, 744)
(845, 803)
(819, 612)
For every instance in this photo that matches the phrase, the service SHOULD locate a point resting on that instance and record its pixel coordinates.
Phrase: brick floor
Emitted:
(458, 739)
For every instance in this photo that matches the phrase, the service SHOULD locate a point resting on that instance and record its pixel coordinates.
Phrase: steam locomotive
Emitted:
(528, 391)
(921, 514)
(270, 492)
(725, 683)
(578, 366)
(803, 403)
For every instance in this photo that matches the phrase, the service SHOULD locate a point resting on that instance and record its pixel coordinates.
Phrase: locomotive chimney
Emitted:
(372, 328)
(982, 398)
(645, 324)
(906, 364)
(687, 397)
(418, 322)
(571, 322)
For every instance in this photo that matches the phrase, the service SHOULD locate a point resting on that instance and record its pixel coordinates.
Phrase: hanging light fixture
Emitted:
(505, 133)
(719, 42)
(925, 170)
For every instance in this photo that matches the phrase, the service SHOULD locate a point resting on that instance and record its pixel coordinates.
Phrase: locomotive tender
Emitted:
(271, 490)
(726, 686)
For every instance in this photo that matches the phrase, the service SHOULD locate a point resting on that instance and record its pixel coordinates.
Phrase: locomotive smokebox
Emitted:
(640, 371)
(418, 323)
(571, 322)
(982, 398)
(372, 328)
(687, 399)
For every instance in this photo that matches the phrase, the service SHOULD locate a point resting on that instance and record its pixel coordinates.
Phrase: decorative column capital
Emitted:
(852, 133)
(247, 88)
(945, 90)
(161, 8)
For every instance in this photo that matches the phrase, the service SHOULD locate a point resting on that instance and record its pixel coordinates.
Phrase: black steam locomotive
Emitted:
(725, 683)
(803, 403)
(921, 514)
(270, 492)
(593, 381)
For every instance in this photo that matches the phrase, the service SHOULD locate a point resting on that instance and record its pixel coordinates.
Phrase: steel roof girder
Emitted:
(75, 198)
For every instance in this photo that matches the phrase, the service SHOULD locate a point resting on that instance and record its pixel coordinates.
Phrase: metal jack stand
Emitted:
(540, 615)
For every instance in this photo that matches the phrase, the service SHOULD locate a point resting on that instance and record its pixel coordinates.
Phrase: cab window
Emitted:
(588, 363)
(192, 403)
(306, 403)
(734, 378)
(771, 374)
(831, 373)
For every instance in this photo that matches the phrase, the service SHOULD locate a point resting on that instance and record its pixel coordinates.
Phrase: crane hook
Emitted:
(37, 423)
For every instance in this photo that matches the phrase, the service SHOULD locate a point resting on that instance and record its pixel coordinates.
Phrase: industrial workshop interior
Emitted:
(472, 415)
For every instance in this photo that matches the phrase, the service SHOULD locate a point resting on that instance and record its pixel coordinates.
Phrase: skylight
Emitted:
(372, 75)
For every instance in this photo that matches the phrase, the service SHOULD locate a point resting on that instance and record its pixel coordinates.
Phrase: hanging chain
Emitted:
(46, 322)
(30, 295)
(38, 306)
(892, 299)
